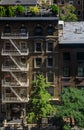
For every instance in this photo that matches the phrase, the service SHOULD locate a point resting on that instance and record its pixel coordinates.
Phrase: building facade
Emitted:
(29, 46)
(71, 46)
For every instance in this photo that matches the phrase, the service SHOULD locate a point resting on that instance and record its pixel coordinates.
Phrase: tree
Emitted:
(72, 105)
(68, 13)
(2, 11)
(39, 103)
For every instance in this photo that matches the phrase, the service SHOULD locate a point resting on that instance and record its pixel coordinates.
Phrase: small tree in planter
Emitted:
(34, 10)
(2, 11)
(10, 11)
(20, 10)
(55, 9)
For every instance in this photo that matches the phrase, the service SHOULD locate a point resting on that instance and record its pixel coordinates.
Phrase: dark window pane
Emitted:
(38, 47)
(38, 31)
(66, 56)
(66, 71)
(80, 56)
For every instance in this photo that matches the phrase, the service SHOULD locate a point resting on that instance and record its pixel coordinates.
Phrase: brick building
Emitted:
(28, 46)
(71, 50)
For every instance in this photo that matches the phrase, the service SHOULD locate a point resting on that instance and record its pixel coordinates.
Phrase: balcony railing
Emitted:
(14, 84)
(14, 35)
(14, 99)
(15, 68)
(14, 52)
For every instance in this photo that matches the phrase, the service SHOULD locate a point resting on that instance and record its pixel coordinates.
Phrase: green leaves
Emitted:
(2, 11)
(72, 105)
(68, 14)
(40, 100)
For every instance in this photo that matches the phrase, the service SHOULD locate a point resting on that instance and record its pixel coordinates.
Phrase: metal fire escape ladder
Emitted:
(16, 93)
(15, 46)
(15, 62)
(16, 78)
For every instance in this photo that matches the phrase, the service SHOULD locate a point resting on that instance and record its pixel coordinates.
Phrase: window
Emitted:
(50, 30)
(78, 2)
(66, 86)
(49, 62)
(70, 1)
(7, 29)
(50, 77)
(80, 55)
(23, 46)
(80, 71)
(66, 56)
(7, 62)
(66, 71)
(50, 90)
(38, 62)
(49, 46)
(23, 60)
(80, 87)
(38, 47)
(78, 12)
(7, 46)
(23, 29)
(38, 31)
(62, 2)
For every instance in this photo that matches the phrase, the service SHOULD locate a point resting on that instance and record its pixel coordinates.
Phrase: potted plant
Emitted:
(10, 11)
(55, 9)
(34, 10)
(2, 11)
(20, 10)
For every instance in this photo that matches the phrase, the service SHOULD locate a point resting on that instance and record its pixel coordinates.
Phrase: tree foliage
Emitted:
(72, 105)
(69, 13)
(39, 102)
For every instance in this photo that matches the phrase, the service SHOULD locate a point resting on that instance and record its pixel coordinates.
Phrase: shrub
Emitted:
(55, 9)
(10, 11)
(34, 10)
(20, 9)
(2, 11)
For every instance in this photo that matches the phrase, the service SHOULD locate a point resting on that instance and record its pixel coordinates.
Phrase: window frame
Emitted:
(35, 62)
(47, 62)
(52, 75)
(66, 74)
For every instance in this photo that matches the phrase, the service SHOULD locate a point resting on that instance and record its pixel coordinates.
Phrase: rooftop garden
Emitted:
(21, 11)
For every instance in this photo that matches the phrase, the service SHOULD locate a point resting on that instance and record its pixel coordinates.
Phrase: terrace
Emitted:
(19, 11)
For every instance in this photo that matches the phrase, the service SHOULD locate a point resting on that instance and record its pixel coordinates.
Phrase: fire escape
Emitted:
(15, 67)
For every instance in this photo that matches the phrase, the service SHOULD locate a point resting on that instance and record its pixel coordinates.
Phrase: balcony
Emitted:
(14, 100)
(13, 68)
(14, 84)
(14, 35)
(13, 52)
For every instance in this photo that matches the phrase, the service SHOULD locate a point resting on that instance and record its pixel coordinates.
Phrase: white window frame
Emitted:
(47, 77)
(35, 62)
(47, 65)
(24, 44)
(47, 46)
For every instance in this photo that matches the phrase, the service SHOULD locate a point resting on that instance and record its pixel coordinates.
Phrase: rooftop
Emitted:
(73, 33)
(17, 11)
